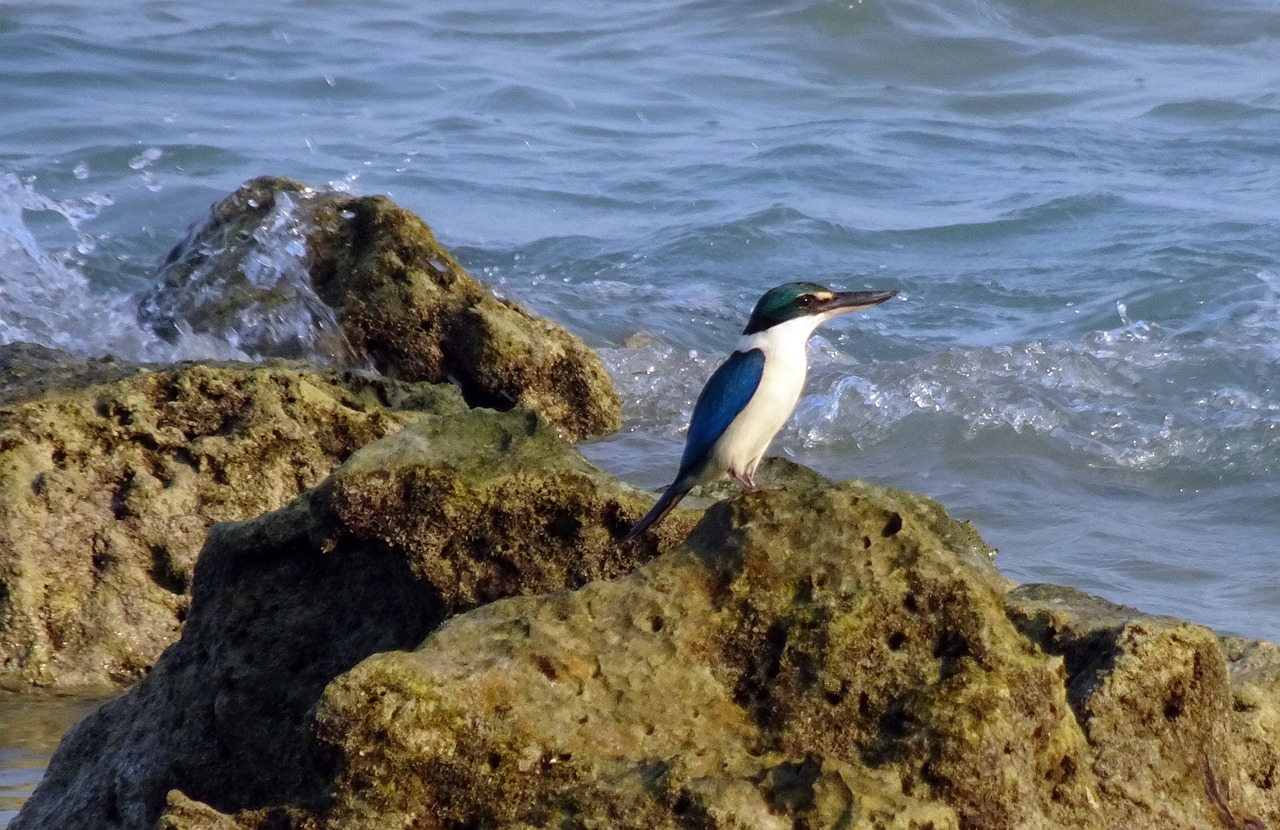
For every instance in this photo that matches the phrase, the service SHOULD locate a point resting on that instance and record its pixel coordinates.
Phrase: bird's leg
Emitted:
(745, 481)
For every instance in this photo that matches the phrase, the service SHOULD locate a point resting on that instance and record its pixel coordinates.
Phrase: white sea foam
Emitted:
(46, 299)
(1134, 397)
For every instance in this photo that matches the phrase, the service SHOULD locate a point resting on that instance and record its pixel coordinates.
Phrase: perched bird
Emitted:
(751, 395)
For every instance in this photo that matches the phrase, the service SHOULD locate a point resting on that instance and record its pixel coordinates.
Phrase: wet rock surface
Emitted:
(282, 269)
(814, 655)
(111, 474)
(453, 511)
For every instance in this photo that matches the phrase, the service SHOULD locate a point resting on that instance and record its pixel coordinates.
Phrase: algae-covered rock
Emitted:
(1154, 697)
(282, 269)
(451, 512)
(810, 657)
(815, 656)
(1253, 668)
(110, 475)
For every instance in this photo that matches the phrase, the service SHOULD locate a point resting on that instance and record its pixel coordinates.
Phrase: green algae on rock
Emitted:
(287, 270)
(453, 511)
(807, 653)
(112, 473)
(1155, 698)
(817, 656)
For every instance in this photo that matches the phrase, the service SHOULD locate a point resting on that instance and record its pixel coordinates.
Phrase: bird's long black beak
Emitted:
(843, 302)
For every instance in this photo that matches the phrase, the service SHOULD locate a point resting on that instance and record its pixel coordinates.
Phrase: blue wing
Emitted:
(725, 395)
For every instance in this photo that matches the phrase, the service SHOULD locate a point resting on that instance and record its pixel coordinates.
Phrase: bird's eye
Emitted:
(805, 300)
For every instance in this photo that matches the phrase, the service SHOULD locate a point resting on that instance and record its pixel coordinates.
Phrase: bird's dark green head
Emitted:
(807, 299)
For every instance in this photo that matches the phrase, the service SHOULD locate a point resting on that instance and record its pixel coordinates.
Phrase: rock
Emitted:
(1154, 698)
(810, 657)
(242, 275)
(182, 813)
(454, 511)
(1254, 671)
(282, 269)
(29, 371)
(814, 657)
(446, 634)
(112, 473)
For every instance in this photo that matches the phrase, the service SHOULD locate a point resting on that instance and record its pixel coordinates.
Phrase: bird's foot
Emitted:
(745, 481)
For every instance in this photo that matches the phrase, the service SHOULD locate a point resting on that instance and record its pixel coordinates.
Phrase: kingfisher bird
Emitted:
(750, 397)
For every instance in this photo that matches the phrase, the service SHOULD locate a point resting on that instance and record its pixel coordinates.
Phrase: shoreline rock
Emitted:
(449, 513)
(819, 655)
(1183, 733)
(287, 270)
(112, 473)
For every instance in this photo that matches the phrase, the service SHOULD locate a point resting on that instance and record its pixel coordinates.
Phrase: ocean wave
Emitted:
(45, 297)
(1136, 397)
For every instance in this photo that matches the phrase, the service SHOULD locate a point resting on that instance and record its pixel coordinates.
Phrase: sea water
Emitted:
(29, 729)
(1077, 202)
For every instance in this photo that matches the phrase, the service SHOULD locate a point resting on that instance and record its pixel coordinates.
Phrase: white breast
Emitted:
(744, 443)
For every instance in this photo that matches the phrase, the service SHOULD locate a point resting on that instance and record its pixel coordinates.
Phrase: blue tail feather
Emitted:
(660, 508)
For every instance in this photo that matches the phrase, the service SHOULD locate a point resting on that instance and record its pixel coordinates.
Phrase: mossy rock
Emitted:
(819, 657)
(111, 474)
(451, 512)
(1183, 734)
(813, 656)
(447, 633)
(282, 269)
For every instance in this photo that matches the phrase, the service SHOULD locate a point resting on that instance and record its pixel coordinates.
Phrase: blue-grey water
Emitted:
(29, 729)
(1078, 202)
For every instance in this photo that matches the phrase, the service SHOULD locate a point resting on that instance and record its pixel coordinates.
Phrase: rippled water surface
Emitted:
(29, 730)
(1076, 200)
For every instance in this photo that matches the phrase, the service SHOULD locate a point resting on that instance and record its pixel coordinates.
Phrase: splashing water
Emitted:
(1118, 397)
(46, 299)
(251, 288)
